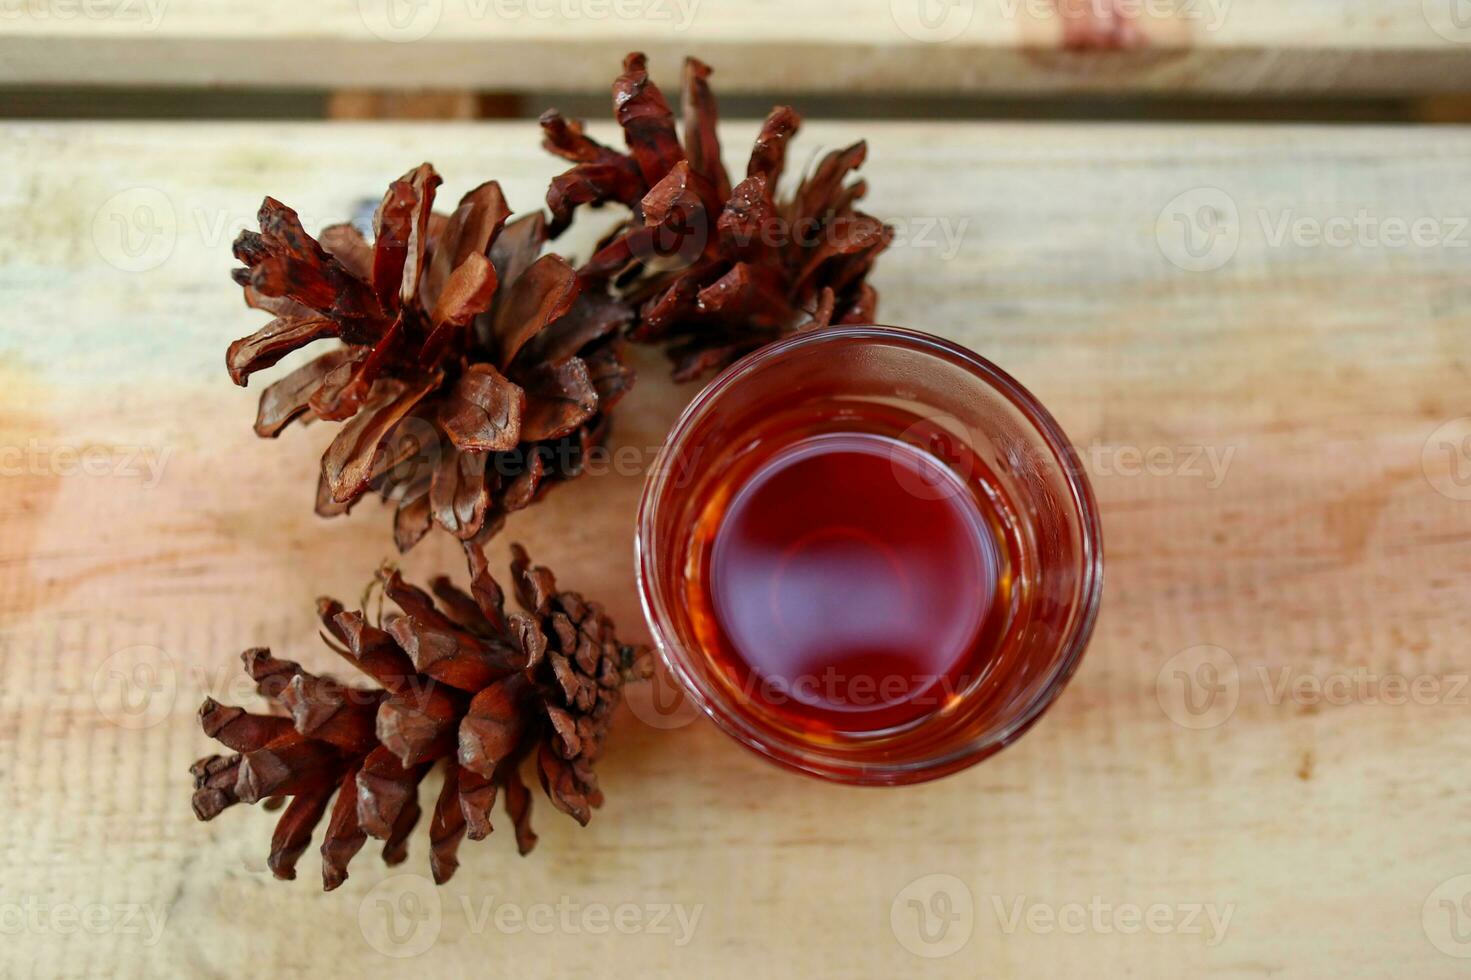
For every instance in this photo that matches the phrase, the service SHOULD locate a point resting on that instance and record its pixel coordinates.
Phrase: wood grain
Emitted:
(1316, 376)
(980, 46)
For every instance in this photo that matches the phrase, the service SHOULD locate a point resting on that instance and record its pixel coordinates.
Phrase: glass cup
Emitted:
(1019, 459)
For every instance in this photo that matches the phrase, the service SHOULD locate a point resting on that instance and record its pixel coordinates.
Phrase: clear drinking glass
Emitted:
(1020, 461)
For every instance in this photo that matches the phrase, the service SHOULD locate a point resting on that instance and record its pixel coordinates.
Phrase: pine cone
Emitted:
(461, 681)
(716, 271)
(472, 374)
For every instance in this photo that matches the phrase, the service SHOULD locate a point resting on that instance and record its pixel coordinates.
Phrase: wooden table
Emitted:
(1395, 47)
(1269, 421)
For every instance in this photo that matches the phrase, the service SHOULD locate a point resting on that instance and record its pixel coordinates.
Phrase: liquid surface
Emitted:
(850, 577)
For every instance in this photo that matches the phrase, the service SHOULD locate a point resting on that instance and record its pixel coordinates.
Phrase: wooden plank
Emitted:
(1266, 420)
(361, 104)
(869, 46)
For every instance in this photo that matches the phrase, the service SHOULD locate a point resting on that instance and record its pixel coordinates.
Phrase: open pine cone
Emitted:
(714, 270)
(472, 374)
(461, 681)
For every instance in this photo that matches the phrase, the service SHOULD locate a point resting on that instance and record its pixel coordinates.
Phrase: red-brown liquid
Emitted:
(847, 580)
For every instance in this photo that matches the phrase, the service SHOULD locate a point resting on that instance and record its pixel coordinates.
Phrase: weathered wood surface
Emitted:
(1268, 443)
(1002, 46)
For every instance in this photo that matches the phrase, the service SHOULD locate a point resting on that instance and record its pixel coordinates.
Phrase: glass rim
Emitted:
(804, 757)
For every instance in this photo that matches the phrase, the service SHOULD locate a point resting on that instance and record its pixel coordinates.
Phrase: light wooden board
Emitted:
(1317, 377)
(1003, 46)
